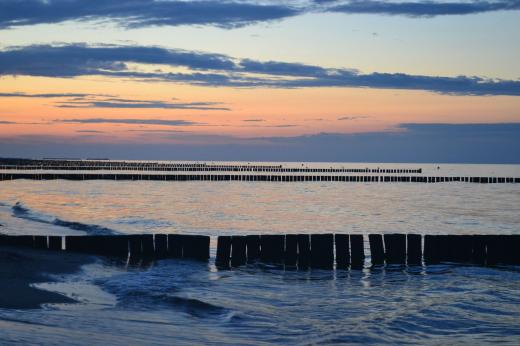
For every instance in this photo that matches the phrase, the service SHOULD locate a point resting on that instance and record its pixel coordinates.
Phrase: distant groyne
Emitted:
(298, 251)
(86, 165)
(258, 177)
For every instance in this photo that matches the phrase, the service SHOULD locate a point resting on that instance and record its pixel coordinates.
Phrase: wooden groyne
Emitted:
(257, 177)
(299, 251)
(82, 165)
(328, 251)
(133, 247)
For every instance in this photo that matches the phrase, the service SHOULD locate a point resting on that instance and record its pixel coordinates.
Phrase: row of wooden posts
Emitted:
(87, 165)
(160, 168)
(256, 177)
(343, 250)
(135, 247)
(301, 251)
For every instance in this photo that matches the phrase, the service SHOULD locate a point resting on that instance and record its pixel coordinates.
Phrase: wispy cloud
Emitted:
(423, 8)
(82, 100)
(48, 95)
(271, 126)
(130, 121)
(253, 120)
(208, 69)
(89, 131)
(350, 118)
(158, 131)
(5, 122)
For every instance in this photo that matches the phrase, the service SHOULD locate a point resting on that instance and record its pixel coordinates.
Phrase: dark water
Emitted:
(182, 302)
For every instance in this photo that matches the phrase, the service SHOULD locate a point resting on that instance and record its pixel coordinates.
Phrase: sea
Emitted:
(183, 302)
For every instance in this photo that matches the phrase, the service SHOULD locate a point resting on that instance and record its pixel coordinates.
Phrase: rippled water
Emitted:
(182, 302)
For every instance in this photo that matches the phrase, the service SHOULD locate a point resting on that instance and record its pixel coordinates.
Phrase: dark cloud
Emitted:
(225, 14)
(89, 131)
(208, 69)
(4, 122)
(423, 8)
(142, 13)
(79, 59)
(130, 121)
(439, 143)
(253, 120)
(121, 103)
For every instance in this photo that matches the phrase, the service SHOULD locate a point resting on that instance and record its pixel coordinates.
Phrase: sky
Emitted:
(289, 80)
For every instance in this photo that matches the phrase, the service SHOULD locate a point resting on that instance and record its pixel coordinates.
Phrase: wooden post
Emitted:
(431, 249)
(238, 250)
(291, 250)
(40, 242)
(322, 251)
(395, 248)
(253, 248)
(55, 243)
(147, 246)
(304, 251)
(414, 249)
(135, 247)
(342, 250)
(272, 248)
(478, 255)
(175, 245)
(196, 247)
(377, 253)
(223, 251)
(357, 251)
(161, 245)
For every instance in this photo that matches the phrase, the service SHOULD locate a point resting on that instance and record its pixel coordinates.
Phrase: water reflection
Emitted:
(226, 208)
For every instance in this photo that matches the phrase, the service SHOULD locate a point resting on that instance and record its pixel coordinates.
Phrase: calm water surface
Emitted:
(180, 302)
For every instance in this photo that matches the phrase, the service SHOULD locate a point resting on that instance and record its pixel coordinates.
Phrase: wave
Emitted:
(22, 212)
(156, 288)
(150, 300)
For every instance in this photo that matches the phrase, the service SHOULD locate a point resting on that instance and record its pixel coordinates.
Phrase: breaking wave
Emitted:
(22, 212)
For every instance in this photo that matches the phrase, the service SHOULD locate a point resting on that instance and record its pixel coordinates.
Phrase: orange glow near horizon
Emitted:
(276, 112)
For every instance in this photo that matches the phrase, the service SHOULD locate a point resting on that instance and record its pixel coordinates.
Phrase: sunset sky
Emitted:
(261, 80)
